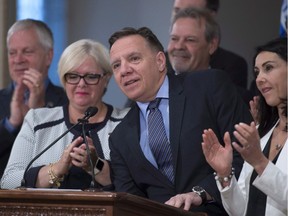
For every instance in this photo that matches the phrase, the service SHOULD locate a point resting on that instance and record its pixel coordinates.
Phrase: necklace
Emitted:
(279, 145)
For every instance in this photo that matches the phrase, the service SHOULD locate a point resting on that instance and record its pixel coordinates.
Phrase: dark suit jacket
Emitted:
(235, 65)
(197, 101)
(55, 96)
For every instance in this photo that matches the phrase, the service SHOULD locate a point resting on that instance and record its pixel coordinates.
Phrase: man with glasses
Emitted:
(30, 53)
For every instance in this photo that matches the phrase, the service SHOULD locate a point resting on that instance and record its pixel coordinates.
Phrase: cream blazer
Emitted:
(273, 182)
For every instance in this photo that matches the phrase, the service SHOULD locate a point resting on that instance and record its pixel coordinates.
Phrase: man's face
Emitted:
(181, 4)
(24, 52)
(138, 70)
(188, 49)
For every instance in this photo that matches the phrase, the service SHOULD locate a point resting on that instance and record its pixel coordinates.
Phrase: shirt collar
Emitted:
(162, 93)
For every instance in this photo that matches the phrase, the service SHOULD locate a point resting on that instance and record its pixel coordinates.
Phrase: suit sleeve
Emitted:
(7, 138)
(121, 176)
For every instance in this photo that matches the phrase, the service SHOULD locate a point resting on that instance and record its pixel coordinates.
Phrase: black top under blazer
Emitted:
(197, 101)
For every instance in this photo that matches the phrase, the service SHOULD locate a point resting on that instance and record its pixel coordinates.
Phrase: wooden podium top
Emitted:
(74, 202)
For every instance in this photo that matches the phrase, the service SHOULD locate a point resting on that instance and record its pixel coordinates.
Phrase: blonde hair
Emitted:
(76, 53)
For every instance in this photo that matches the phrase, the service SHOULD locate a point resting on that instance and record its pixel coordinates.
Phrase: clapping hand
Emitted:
(253, 108)
(219, 157)
(250, 148)
(32, 81)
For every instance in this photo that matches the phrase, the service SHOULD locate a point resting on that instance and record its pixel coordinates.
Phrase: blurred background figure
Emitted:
(235, 65)
(30, 53)
(194, 37)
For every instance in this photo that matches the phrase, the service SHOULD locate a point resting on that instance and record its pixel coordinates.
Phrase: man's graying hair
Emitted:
(144, 32)
(212, 29)
(44, 33)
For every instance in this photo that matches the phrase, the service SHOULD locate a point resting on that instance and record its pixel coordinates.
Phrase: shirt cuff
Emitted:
(9, 126)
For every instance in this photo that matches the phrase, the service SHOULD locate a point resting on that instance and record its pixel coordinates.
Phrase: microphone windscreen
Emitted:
(91, 111)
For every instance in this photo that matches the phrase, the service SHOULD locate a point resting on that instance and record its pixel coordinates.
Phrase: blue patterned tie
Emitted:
(158, 140)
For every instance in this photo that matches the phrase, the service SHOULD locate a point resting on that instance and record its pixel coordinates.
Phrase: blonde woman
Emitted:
(85, 71)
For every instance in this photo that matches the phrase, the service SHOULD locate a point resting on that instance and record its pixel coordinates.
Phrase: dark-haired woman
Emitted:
(262, 186)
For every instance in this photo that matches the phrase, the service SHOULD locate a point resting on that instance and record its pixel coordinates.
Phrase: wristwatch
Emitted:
(201, 192)
(98, 166)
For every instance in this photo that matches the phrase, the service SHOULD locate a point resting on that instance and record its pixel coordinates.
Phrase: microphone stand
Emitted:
(93, 182)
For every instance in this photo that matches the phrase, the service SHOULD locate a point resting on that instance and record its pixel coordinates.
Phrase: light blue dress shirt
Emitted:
(163, 93)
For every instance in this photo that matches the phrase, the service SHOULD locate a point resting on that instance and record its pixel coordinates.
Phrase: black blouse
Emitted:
(257, 199)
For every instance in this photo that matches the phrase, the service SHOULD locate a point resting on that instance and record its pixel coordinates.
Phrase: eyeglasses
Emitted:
(89, 79)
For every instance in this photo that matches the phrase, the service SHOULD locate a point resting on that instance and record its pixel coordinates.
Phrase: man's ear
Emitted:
(49, 57)
(213, 45)
(161, 61)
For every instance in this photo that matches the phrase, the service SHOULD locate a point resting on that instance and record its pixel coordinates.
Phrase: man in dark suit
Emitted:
(30, 53)
(194, 37)
(233, 64)
(190, 103)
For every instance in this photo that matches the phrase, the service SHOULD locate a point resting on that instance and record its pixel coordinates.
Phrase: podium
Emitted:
(68, 202)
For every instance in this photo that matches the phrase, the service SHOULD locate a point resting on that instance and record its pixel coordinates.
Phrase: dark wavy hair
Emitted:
(267, 115)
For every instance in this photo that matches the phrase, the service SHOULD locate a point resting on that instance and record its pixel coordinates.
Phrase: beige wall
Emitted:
(3, 7)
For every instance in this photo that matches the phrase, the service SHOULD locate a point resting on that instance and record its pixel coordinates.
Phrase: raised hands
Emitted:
(254, 108)
(250, 148)
(33, 81)
(18, 108)
(219, 157)
(79, 155)
(74, 154)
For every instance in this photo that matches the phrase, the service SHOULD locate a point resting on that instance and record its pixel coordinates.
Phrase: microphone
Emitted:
(91, 111)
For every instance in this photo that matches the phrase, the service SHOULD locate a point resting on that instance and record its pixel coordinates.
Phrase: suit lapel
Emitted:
(133, 136)
(7, 97)
(176, 110)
